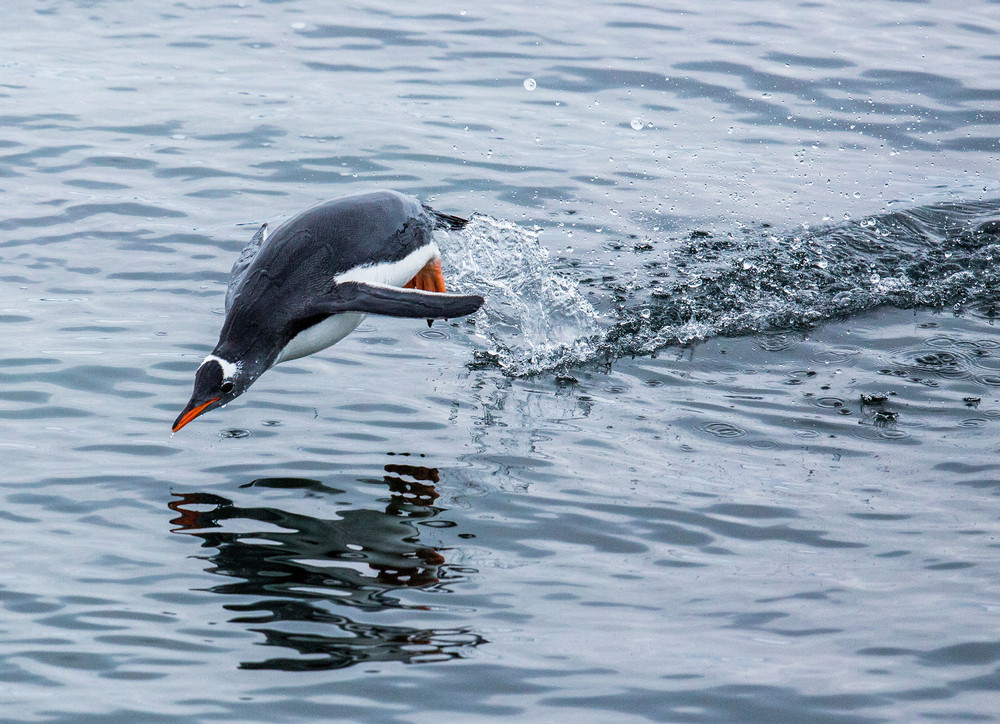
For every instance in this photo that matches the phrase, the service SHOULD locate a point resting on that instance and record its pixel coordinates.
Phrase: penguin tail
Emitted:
(446, 221)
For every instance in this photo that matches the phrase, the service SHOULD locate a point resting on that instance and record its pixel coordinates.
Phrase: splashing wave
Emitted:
(755, 281)
(537, 317)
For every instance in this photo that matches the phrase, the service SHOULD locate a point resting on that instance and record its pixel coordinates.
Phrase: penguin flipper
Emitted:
(394, 302)
(239, 270)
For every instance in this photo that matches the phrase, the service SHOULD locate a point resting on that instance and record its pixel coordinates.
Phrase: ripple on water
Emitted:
(834, 403)
(433, 334)
(724, 430)
(973, 422)
(776, 342)
(834, 356)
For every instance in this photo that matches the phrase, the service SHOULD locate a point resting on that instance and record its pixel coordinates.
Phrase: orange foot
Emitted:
(428, 279)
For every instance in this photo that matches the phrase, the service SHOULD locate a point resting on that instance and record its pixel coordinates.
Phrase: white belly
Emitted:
(320, 336)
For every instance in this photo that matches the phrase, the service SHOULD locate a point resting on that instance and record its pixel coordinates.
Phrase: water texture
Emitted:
(719, 448)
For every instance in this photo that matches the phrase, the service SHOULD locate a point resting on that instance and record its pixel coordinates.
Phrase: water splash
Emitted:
(753, 280)
(535, 318)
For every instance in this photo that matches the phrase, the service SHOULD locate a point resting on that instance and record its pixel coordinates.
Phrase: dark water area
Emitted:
(718, 448)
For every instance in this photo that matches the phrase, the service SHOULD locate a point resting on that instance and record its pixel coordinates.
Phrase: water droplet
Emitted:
(637, 124)
(529, 84)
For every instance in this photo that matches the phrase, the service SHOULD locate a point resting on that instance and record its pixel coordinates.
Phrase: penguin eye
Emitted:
(227, 387)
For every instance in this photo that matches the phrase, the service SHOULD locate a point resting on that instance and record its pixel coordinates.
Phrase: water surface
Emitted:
(720, 447)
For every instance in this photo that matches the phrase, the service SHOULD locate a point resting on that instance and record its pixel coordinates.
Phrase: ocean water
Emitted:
(720, 447)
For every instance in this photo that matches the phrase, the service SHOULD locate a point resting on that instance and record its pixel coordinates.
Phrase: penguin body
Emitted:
(311, 283)
(320, 336)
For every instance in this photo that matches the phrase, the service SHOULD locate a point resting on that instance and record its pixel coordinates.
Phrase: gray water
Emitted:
(720, 447)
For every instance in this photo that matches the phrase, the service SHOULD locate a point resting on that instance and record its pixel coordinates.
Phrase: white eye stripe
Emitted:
(229, 369)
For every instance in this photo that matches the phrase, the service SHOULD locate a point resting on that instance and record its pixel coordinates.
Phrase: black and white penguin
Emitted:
(310, 283)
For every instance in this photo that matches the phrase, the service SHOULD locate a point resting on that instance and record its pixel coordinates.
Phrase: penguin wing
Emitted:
(393, 302)
(239, 270)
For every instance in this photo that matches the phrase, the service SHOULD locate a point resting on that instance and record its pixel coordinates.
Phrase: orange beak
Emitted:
(189, 415)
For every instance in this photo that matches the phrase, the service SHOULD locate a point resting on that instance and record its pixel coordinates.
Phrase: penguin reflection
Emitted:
(301, 568)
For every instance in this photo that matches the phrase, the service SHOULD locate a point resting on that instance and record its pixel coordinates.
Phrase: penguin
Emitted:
(310, 284)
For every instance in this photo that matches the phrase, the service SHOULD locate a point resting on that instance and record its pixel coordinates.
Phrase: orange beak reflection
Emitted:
(186, 417)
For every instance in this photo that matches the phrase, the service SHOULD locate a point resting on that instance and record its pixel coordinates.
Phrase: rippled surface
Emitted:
(554, 511)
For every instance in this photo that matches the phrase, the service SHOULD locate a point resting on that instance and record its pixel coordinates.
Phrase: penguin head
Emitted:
(216, 383)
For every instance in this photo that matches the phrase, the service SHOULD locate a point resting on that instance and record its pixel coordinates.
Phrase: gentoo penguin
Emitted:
(311, 282)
